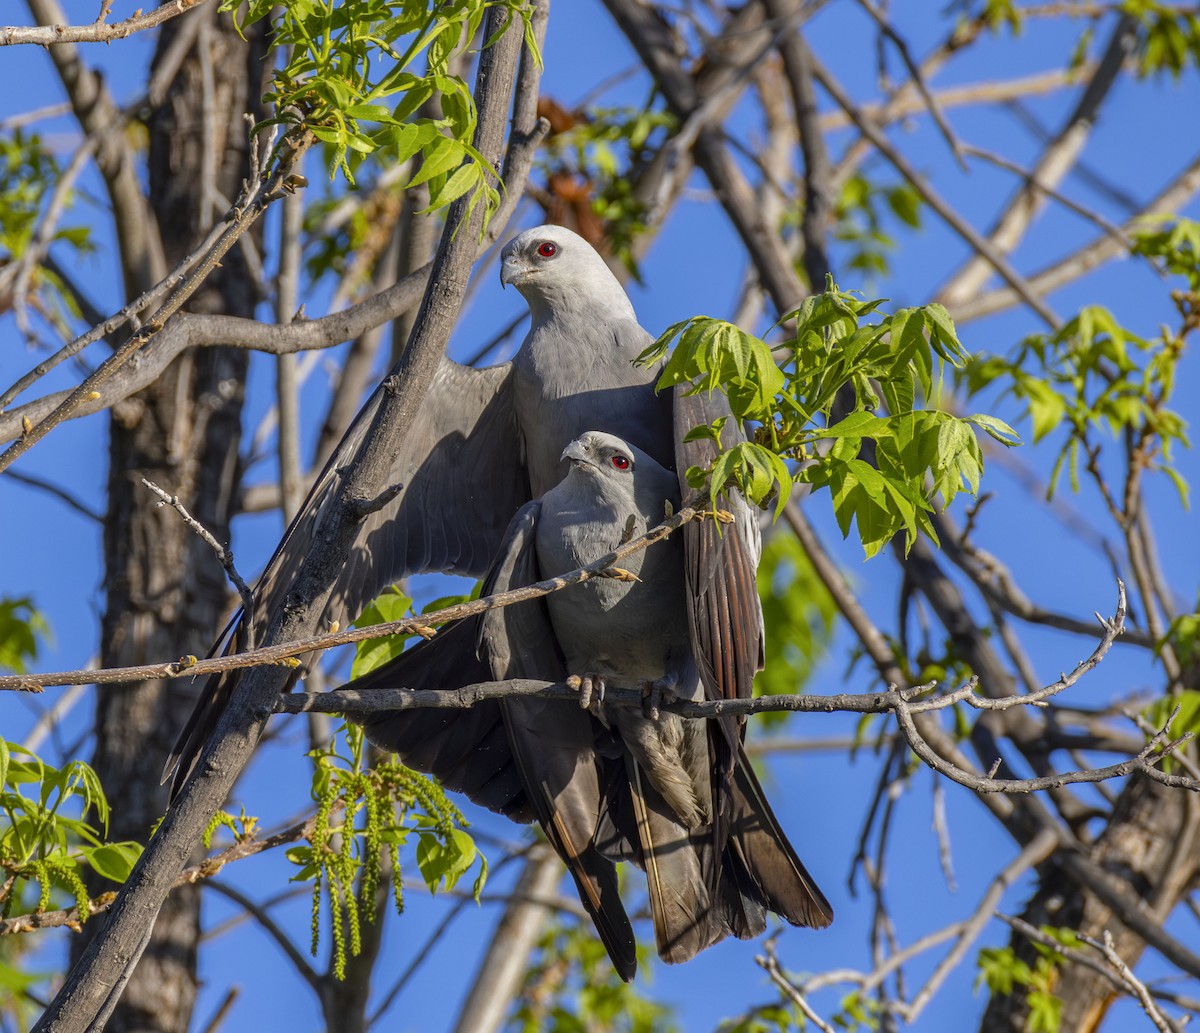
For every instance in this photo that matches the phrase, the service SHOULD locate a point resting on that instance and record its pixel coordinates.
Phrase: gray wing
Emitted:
(554, 747)
(528, 758)
(462, 467)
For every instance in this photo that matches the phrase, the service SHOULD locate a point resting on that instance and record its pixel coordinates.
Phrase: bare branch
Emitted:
(770, 964)
(224, 555)
(1054, 163)
(1087, 258)
(98, 32)
(984, 247)
(262, 194)
(284, 653)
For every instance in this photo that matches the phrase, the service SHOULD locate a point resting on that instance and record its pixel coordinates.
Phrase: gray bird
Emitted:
(619, 785)
(486, 441)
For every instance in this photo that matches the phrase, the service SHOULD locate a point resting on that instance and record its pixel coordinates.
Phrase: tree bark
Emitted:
(166, 593)
(1150, 845)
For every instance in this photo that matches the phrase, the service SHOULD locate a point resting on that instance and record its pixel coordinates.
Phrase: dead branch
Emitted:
(98, 32)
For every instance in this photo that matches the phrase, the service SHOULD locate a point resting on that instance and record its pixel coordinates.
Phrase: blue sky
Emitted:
(1146, 135)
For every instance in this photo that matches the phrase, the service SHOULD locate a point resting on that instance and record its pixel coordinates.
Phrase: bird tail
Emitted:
(681, 872)
(703, 889)
(758, 847)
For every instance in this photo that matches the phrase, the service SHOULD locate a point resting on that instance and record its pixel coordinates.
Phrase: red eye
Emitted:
(547, 249)
(620, 462)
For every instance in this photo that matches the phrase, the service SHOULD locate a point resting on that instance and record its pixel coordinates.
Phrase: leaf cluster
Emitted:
(883, 458)
(1093, 377)
(20, 628)
(571, 988)
(1170, 37)
(363, 811)
(45, 837)
(1176, 242)
(361, 75)
(29, 174)
(861, 213)
(1003, 972)
(608, 147)
(393, 605)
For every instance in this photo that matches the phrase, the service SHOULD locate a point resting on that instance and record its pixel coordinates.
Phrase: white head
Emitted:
(557, 272)
(606, 454)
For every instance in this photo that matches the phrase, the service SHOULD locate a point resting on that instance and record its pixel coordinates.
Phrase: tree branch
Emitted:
(118, 946)
(98, 32)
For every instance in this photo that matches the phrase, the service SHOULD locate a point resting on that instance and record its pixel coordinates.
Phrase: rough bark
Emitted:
(165, 591)
(1150, 845)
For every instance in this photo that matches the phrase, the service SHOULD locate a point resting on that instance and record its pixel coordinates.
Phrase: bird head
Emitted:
(554, 268)
(603, 454)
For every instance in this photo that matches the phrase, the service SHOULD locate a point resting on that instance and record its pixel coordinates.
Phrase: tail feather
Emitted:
(755, 836)
(680, 868)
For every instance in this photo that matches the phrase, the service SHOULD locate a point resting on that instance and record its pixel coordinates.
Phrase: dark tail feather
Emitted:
(768, 858)
(680, 868)
(553, 746)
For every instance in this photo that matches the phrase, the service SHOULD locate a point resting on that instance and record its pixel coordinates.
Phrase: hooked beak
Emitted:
(574, 452)
(512, 270)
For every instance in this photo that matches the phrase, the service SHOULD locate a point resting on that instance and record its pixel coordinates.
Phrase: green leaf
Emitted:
(392, 605)
(113, 860)
(996, 429)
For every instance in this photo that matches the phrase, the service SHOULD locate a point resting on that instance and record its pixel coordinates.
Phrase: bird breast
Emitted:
(627, 631)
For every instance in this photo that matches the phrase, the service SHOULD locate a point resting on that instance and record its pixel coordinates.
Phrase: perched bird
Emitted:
(615, 783)
(486, 441)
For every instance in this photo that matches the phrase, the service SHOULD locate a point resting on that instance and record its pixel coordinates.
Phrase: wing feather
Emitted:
(463, 474)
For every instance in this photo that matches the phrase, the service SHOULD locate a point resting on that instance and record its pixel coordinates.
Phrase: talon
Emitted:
(591, 691)
(651, 698)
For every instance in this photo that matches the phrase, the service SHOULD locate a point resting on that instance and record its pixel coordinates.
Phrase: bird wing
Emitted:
(721, 564)
(554, 745)
(530, 759)
(462, 467)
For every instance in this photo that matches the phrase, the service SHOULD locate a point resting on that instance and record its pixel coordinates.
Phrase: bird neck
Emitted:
(602, 302)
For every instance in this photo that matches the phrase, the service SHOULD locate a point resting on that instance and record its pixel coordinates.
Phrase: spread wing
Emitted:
(463, 471)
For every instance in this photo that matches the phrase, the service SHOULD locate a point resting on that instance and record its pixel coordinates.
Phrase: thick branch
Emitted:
(117, 948)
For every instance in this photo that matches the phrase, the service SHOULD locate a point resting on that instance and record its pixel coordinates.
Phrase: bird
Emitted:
(486, 441)
(612, 782)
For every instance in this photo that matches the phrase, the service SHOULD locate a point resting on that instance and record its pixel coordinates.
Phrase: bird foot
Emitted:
(655, 693)
(591, 691)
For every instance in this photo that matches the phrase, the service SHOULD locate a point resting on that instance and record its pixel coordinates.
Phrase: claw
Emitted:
(591, 691)
(655, 693)
(651, 698)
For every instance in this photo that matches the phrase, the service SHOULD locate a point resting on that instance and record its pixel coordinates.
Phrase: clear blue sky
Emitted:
(1148, 132)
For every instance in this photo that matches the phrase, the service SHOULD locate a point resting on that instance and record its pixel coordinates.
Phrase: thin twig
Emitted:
(770, 963)
(285, 652)
(224, 555)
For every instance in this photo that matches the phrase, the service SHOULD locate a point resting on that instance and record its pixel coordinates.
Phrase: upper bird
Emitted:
(486, 441)
(623, 785)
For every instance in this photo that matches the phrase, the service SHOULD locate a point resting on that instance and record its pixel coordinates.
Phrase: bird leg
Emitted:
(591, 691)
(657, 692)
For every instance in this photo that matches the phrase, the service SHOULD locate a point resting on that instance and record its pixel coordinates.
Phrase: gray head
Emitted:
(606, 464)
(558, 271)
(605, 454)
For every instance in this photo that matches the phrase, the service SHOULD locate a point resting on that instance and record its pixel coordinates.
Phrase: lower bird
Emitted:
(675, 796)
